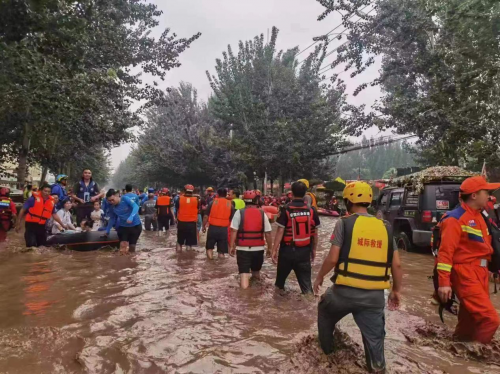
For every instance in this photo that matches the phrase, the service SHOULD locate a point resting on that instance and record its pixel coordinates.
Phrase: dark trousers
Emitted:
(149, 221)
(35, 234)
(298, 260)
(83, 212)
(367, 308)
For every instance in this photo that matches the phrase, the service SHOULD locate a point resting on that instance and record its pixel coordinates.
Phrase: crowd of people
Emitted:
(363, 252)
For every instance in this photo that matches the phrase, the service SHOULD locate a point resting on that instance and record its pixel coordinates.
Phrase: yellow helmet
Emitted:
(358, 192)
(305, 181)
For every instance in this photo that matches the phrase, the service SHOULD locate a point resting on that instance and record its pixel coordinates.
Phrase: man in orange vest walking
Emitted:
(39, 208)
(219, 215)
(187, 208)
(164, 211)
(249, 227)
(462, 262)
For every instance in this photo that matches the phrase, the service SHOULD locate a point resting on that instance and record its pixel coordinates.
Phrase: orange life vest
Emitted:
(42, 210)
(220, 213)
(188, 209)
(163, 201)
(299, 227)
(251, 230)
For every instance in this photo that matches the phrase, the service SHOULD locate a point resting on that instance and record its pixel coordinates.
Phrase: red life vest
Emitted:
(42, 210)
(251, 230)
(5, 211)
(300, 226)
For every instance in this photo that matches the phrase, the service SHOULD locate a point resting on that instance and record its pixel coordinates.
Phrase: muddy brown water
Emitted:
(159, 311)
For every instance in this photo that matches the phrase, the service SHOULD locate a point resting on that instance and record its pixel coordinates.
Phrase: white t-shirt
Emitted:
(235, 224)
(65, 218)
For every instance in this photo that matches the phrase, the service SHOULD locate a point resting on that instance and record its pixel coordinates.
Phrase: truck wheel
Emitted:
(403, 242)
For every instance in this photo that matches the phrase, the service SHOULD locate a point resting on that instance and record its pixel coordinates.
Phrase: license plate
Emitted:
(442, 204)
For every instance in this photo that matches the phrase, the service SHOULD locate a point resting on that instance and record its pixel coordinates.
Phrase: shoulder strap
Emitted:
(263, 222)
(242, 218)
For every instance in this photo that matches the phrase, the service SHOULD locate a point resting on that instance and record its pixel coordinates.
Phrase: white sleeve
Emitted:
(267, 224)
(235, 224)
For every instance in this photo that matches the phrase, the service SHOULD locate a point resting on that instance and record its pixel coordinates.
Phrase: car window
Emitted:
(396, 198)
(411, 198)
(384, 199)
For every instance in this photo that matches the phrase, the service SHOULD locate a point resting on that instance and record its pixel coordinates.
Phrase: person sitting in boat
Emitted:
(96, 216)
(86, 225)
(65, 216)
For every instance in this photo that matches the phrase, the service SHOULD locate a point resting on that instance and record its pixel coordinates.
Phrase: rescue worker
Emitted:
(296, 240)
(310, 198)
(59, 189)
(38, 209)
(85, 192)
(126, 212)
(249, 227)
(234, 196)
(219, 215)
(150, 217)
(132, 195)
(187, 209)
(363, 254)
(164, 211)
(8, 212)
(462, 262)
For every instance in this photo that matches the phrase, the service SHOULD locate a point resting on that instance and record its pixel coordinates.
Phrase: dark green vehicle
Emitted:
(414, 213)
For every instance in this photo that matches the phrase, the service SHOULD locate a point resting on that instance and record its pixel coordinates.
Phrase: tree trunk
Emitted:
(44, 174)
(23, 158)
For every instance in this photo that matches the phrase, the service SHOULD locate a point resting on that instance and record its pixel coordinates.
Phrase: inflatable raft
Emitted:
(327, 212)
(271, 212)
(85, 241)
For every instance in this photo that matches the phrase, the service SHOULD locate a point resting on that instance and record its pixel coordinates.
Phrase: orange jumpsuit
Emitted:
(462, 264)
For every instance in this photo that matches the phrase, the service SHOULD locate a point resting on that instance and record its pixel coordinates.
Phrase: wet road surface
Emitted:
(158, 311)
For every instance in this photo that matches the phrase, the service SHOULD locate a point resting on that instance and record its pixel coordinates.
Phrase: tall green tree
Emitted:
(65, 75)
(284, 121)
(439, 75)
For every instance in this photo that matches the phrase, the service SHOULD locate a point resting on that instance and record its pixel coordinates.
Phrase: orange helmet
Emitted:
(249, 196)
(189, 188)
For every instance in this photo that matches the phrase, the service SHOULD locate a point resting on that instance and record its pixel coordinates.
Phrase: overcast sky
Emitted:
(226, 22)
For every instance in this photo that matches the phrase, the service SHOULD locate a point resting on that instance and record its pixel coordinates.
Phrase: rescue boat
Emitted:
(85, 241)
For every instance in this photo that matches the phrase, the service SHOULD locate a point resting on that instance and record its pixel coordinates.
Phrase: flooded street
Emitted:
(160, 311)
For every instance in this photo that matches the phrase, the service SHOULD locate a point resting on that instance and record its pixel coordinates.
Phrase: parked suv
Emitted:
(413, 214)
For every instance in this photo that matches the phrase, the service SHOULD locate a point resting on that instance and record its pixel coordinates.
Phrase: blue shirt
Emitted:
(61, 192)
(133, 196)
(125, 211)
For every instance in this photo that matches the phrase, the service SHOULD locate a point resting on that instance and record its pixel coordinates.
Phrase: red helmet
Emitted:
(249, 196)
(189, 188)
(164, 190)
(4, 191)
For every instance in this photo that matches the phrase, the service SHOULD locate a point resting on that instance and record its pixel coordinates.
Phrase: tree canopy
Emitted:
(266, 114)
(66, 78)
(439, 75)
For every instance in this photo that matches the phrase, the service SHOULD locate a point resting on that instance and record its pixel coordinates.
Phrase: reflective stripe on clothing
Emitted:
(445, 267)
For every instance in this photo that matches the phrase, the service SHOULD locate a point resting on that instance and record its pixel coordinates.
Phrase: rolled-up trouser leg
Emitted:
(371, 322)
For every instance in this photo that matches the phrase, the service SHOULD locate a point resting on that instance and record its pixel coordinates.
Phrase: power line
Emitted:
(331, 31)
(376, 143)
